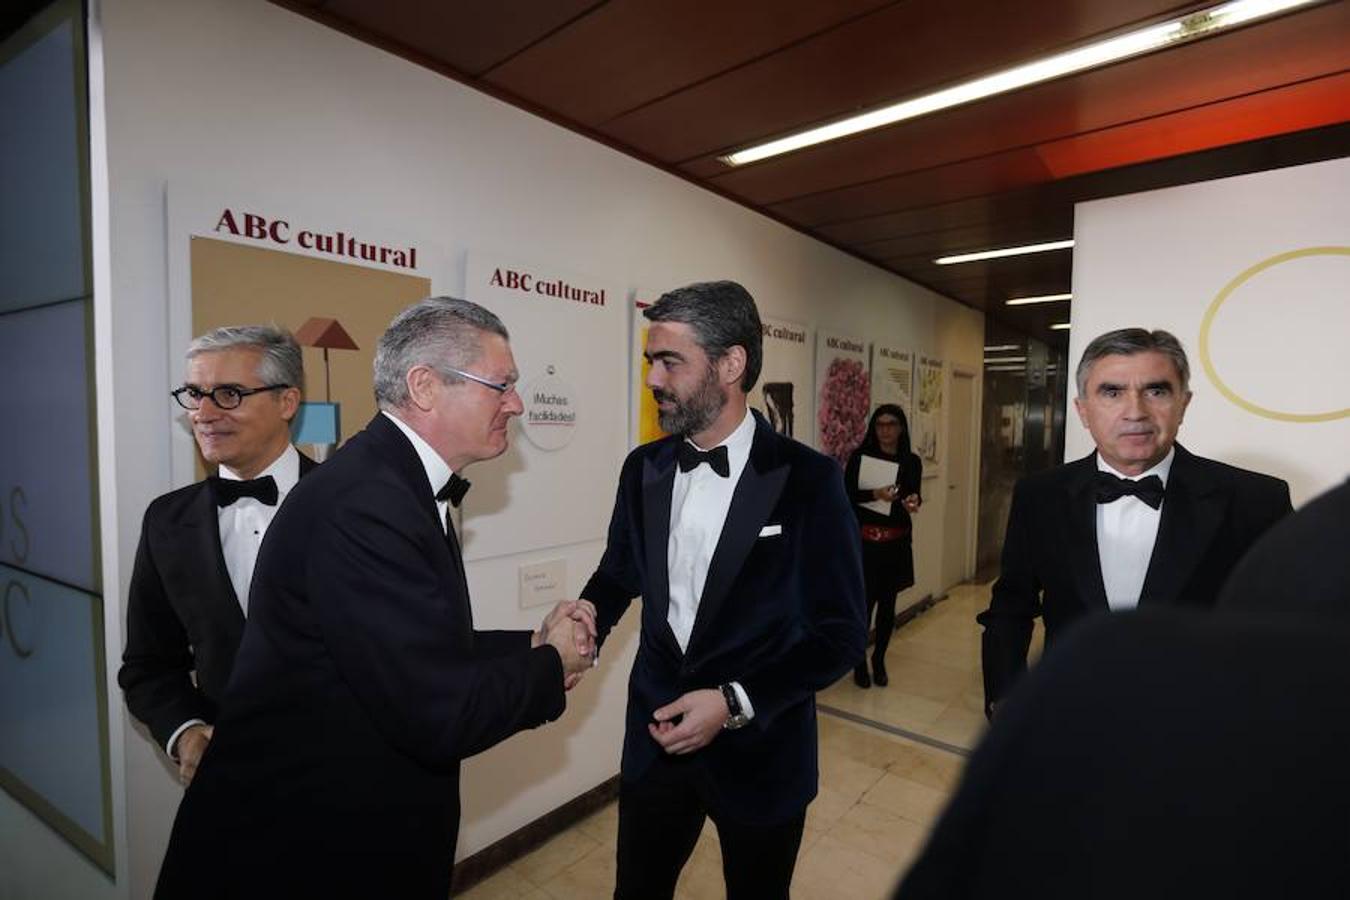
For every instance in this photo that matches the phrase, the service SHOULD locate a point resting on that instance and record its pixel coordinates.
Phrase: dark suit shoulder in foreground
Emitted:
(1160, 754)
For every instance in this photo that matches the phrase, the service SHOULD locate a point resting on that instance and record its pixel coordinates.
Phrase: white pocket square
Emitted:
(770, 530)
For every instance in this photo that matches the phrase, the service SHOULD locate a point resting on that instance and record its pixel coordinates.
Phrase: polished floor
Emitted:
(879, 790)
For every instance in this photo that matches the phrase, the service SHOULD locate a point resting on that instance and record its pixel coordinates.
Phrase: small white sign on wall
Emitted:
(543, 583)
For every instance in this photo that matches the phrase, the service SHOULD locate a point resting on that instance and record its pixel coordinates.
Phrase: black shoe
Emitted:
(879, 673)
(861, 678)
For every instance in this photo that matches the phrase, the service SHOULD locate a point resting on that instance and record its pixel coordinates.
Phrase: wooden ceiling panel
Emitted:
(468, 37)
(1293, 49)
(1000, 172)
(902, 50)
(629, 53)
(675, 84)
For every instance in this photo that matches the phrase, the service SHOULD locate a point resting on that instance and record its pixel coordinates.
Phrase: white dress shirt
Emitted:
(438, 473)
(1127, 529)
(699, 502)
(242, 526)
(244, 522)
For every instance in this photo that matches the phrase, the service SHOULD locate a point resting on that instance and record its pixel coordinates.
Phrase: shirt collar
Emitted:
(1162, 469)
(436, 470)
(285, 471)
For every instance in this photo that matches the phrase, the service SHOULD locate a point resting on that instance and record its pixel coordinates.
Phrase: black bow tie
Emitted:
(690, 457)
(453, 490)
(1110, 488)
(226, 491)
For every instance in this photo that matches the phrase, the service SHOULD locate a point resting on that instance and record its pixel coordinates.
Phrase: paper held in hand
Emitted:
(875, 472)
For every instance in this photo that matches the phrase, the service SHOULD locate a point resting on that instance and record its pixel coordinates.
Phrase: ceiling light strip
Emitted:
(1004, 251)
(1100, 53)
(1043, 298)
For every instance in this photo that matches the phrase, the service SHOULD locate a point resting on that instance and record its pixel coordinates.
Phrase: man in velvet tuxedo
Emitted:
(1138, 523)
(743, 546)
(189, 586)
(361, 681)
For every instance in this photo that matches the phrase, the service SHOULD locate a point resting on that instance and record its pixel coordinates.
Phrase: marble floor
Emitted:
(936, 688)
(879, 792)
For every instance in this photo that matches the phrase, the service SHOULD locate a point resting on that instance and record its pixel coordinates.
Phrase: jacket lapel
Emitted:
(658, 482)
(199, 530)
(1192, 511)
(754, 500)
(1080, 517)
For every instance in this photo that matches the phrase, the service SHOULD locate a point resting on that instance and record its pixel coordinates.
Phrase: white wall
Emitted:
(212, 92)
(1277, 340)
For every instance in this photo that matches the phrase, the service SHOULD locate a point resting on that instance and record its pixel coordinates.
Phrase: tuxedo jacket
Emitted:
(1301, 565)
(359, 686)
(1051, 568)
(782, 612)
(183, 617)
(1165, 753)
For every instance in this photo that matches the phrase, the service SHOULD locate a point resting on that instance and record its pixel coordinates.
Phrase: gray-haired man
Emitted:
(361, 681)
(189, 587)
(1138, 522)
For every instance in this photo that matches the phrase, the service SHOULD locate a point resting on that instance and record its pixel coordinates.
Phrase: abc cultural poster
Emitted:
(929, 389)
(645, 427)
(783, 393)
(893, 378)
(843, 394)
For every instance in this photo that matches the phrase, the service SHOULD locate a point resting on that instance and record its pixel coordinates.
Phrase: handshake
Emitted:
(570, 629)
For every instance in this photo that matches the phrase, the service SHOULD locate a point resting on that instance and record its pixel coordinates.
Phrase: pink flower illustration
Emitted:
(844, 399)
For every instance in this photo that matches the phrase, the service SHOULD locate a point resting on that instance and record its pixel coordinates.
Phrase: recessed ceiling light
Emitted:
(1043, 298)
(1154, 37)
(1003, 251)
(1060, 326)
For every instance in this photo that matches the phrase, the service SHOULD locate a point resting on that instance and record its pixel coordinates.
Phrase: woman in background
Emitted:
(887, 550)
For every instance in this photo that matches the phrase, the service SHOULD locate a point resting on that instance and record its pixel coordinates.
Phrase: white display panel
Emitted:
(569, 333)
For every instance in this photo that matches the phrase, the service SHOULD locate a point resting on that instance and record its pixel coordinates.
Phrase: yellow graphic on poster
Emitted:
(646, 425)
(342, 304)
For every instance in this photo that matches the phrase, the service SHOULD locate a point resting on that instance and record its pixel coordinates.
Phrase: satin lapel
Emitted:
(399, 452)
(755, 498)
(658, 481)
(1192, 511)
(199, 529)
(1079, 518)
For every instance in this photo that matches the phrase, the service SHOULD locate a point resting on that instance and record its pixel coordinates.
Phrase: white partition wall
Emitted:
(1252, 273)
(227, 96)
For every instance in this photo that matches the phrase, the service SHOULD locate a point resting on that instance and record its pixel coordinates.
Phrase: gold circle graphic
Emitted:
(1213, 311)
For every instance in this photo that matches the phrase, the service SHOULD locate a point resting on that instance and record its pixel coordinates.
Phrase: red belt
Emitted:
(882, 534)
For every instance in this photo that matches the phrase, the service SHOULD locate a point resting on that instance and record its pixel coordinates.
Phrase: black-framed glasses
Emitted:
(226, 396)
(501, 387)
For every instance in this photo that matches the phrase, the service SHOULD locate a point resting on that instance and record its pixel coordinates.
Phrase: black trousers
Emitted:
(660, 818)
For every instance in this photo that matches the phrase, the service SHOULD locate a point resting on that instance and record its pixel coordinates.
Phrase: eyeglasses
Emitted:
(501, 387)
(227, 396)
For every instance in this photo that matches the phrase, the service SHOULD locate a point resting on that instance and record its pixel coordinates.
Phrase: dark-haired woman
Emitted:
(888, 552)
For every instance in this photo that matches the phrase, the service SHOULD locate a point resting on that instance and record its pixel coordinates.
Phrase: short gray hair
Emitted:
(438, 332)
(1129, 341)
(281, 362)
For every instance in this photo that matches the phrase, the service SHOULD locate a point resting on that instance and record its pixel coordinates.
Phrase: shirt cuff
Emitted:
(741, 695)
(173, 738)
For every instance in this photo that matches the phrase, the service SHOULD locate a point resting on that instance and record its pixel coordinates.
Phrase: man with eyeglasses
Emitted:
(361, 681)
(189, 588)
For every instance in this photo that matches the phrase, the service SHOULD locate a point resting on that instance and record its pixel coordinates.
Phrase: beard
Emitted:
(695, 412)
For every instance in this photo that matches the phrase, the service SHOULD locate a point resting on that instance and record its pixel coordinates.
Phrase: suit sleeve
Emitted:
(1013, 607)
(833, 630)
(157, 662)
(396, 638)
(616, 581)
(912, 481)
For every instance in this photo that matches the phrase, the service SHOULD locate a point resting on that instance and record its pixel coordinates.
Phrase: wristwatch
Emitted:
(737, 717)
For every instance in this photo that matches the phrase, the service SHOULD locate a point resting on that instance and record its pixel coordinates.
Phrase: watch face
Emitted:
(736, 721)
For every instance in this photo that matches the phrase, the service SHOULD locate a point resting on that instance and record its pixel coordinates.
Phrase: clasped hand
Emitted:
(570, 629)
(703, 713)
